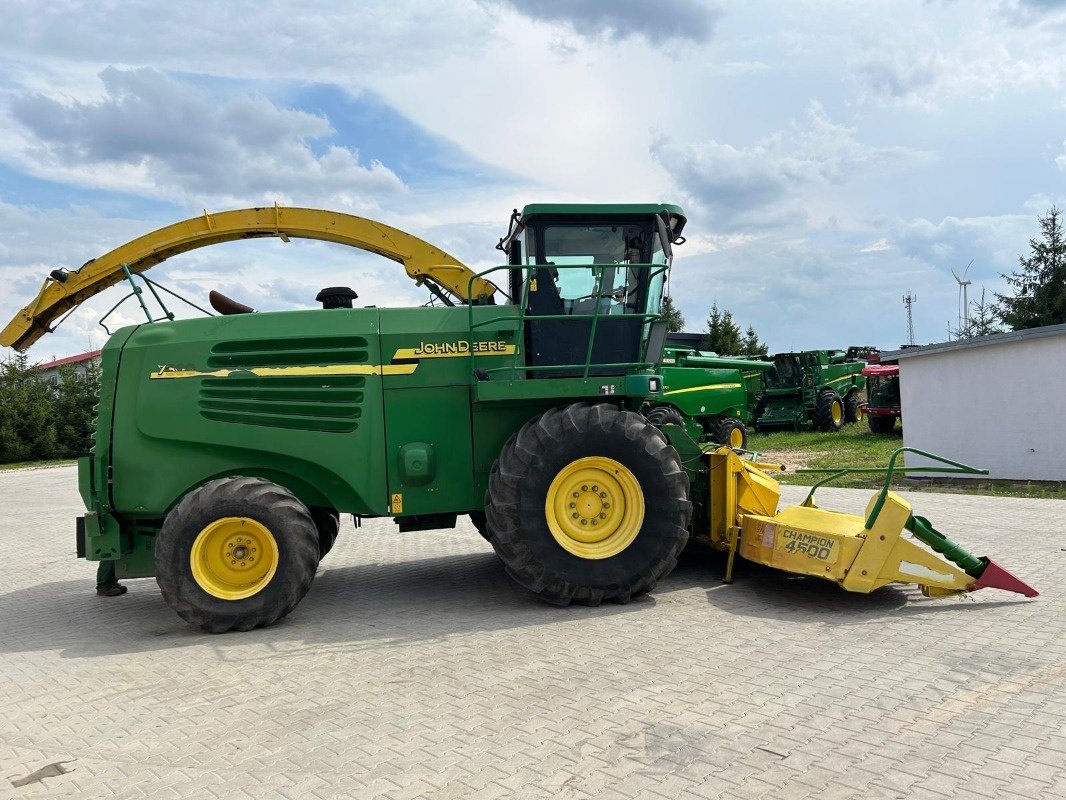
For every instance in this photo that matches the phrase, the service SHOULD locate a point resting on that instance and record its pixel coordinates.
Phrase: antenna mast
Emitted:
(909, 301)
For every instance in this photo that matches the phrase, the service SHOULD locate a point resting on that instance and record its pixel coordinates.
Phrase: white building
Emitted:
(49, 372)
(994, 401)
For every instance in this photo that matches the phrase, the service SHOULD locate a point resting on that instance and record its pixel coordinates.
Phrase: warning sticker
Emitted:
(819, 548)
(769, 530)
(397, 503)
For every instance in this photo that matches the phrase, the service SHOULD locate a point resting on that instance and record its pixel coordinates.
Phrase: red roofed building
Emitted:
(50, 371)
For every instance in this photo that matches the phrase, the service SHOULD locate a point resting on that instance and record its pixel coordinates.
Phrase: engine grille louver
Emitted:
(331, 404)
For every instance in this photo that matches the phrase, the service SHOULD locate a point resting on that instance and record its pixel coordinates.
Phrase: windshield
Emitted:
(618, 288)
(786, 372)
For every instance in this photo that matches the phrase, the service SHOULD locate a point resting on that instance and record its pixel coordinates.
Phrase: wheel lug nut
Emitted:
(577, 494)
(584, 522)
(603, 516)
(603, 494)
(595, 522)
(573, 505)
(606, 505)
(574, 515)
(584, 487)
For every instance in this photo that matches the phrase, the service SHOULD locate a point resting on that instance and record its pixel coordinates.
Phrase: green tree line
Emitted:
(40, 421)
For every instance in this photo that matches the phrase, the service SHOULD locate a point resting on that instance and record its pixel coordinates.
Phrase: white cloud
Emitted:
(316, 40)
(154, 135)
(880, 246)
(748, 186)
(667, 20)
(978, 52)
(1060, 162)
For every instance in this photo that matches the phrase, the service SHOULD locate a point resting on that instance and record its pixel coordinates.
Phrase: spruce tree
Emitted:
(1040, 285)
(723, 334)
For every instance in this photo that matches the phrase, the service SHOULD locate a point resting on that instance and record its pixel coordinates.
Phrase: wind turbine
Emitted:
(964, 311)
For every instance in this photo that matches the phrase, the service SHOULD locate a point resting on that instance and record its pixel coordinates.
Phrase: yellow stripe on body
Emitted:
(710, 387)
(269, 372)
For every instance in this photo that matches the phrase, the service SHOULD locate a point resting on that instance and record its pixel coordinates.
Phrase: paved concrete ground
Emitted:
(414, 668)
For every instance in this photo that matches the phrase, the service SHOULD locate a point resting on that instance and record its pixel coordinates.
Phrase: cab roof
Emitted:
(535, 210)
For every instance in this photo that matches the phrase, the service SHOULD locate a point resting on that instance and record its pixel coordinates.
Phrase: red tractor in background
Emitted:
(883, 406)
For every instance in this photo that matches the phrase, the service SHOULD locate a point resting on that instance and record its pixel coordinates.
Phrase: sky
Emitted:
(831, 156)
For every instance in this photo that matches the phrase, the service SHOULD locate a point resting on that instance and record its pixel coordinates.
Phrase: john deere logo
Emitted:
(455, 349)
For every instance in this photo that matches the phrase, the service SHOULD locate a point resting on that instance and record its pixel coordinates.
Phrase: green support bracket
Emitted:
(103, 537)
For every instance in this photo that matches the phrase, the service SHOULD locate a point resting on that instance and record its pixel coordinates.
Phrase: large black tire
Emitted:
(828, 411)
(273, 507)
(328, 523)
(881, 424)
(519, 492)
(731, 432)
(664, 415)
(852, 406)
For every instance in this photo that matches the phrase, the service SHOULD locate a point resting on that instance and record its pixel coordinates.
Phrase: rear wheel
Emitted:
(829, 411)
(731, 432)
(589, 503)
(881, 424)
(853, 408)
(664, 415)
(236, 554)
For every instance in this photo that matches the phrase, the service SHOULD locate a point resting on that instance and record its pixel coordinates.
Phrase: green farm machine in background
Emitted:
(227, 447)
(717, 394)
(823, 387)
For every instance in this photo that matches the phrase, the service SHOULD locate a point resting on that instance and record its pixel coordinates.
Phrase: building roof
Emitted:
(59, 362)
(977, 341)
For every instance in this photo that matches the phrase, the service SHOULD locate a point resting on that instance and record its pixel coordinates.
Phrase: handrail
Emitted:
(523, 317)
(956, 467)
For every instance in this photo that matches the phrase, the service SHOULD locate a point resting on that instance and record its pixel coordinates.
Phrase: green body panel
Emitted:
(348, 442)
(790, 391)
(706, 386)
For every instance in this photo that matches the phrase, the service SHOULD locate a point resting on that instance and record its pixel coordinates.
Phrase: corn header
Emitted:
(860, 553)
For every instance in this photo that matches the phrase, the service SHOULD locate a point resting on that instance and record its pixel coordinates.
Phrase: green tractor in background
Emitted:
(716, 394)
(823, 387)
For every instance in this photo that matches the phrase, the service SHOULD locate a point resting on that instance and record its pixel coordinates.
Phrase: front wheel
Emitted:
(731, 432)
(236, 554)
(853, 408)
(588, 503)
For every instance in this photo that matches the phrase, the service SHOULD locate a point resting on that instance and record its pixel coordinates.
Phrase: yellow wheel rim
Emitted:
(736, 438)
(234, 558)
(594, 507)
(838, 412)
